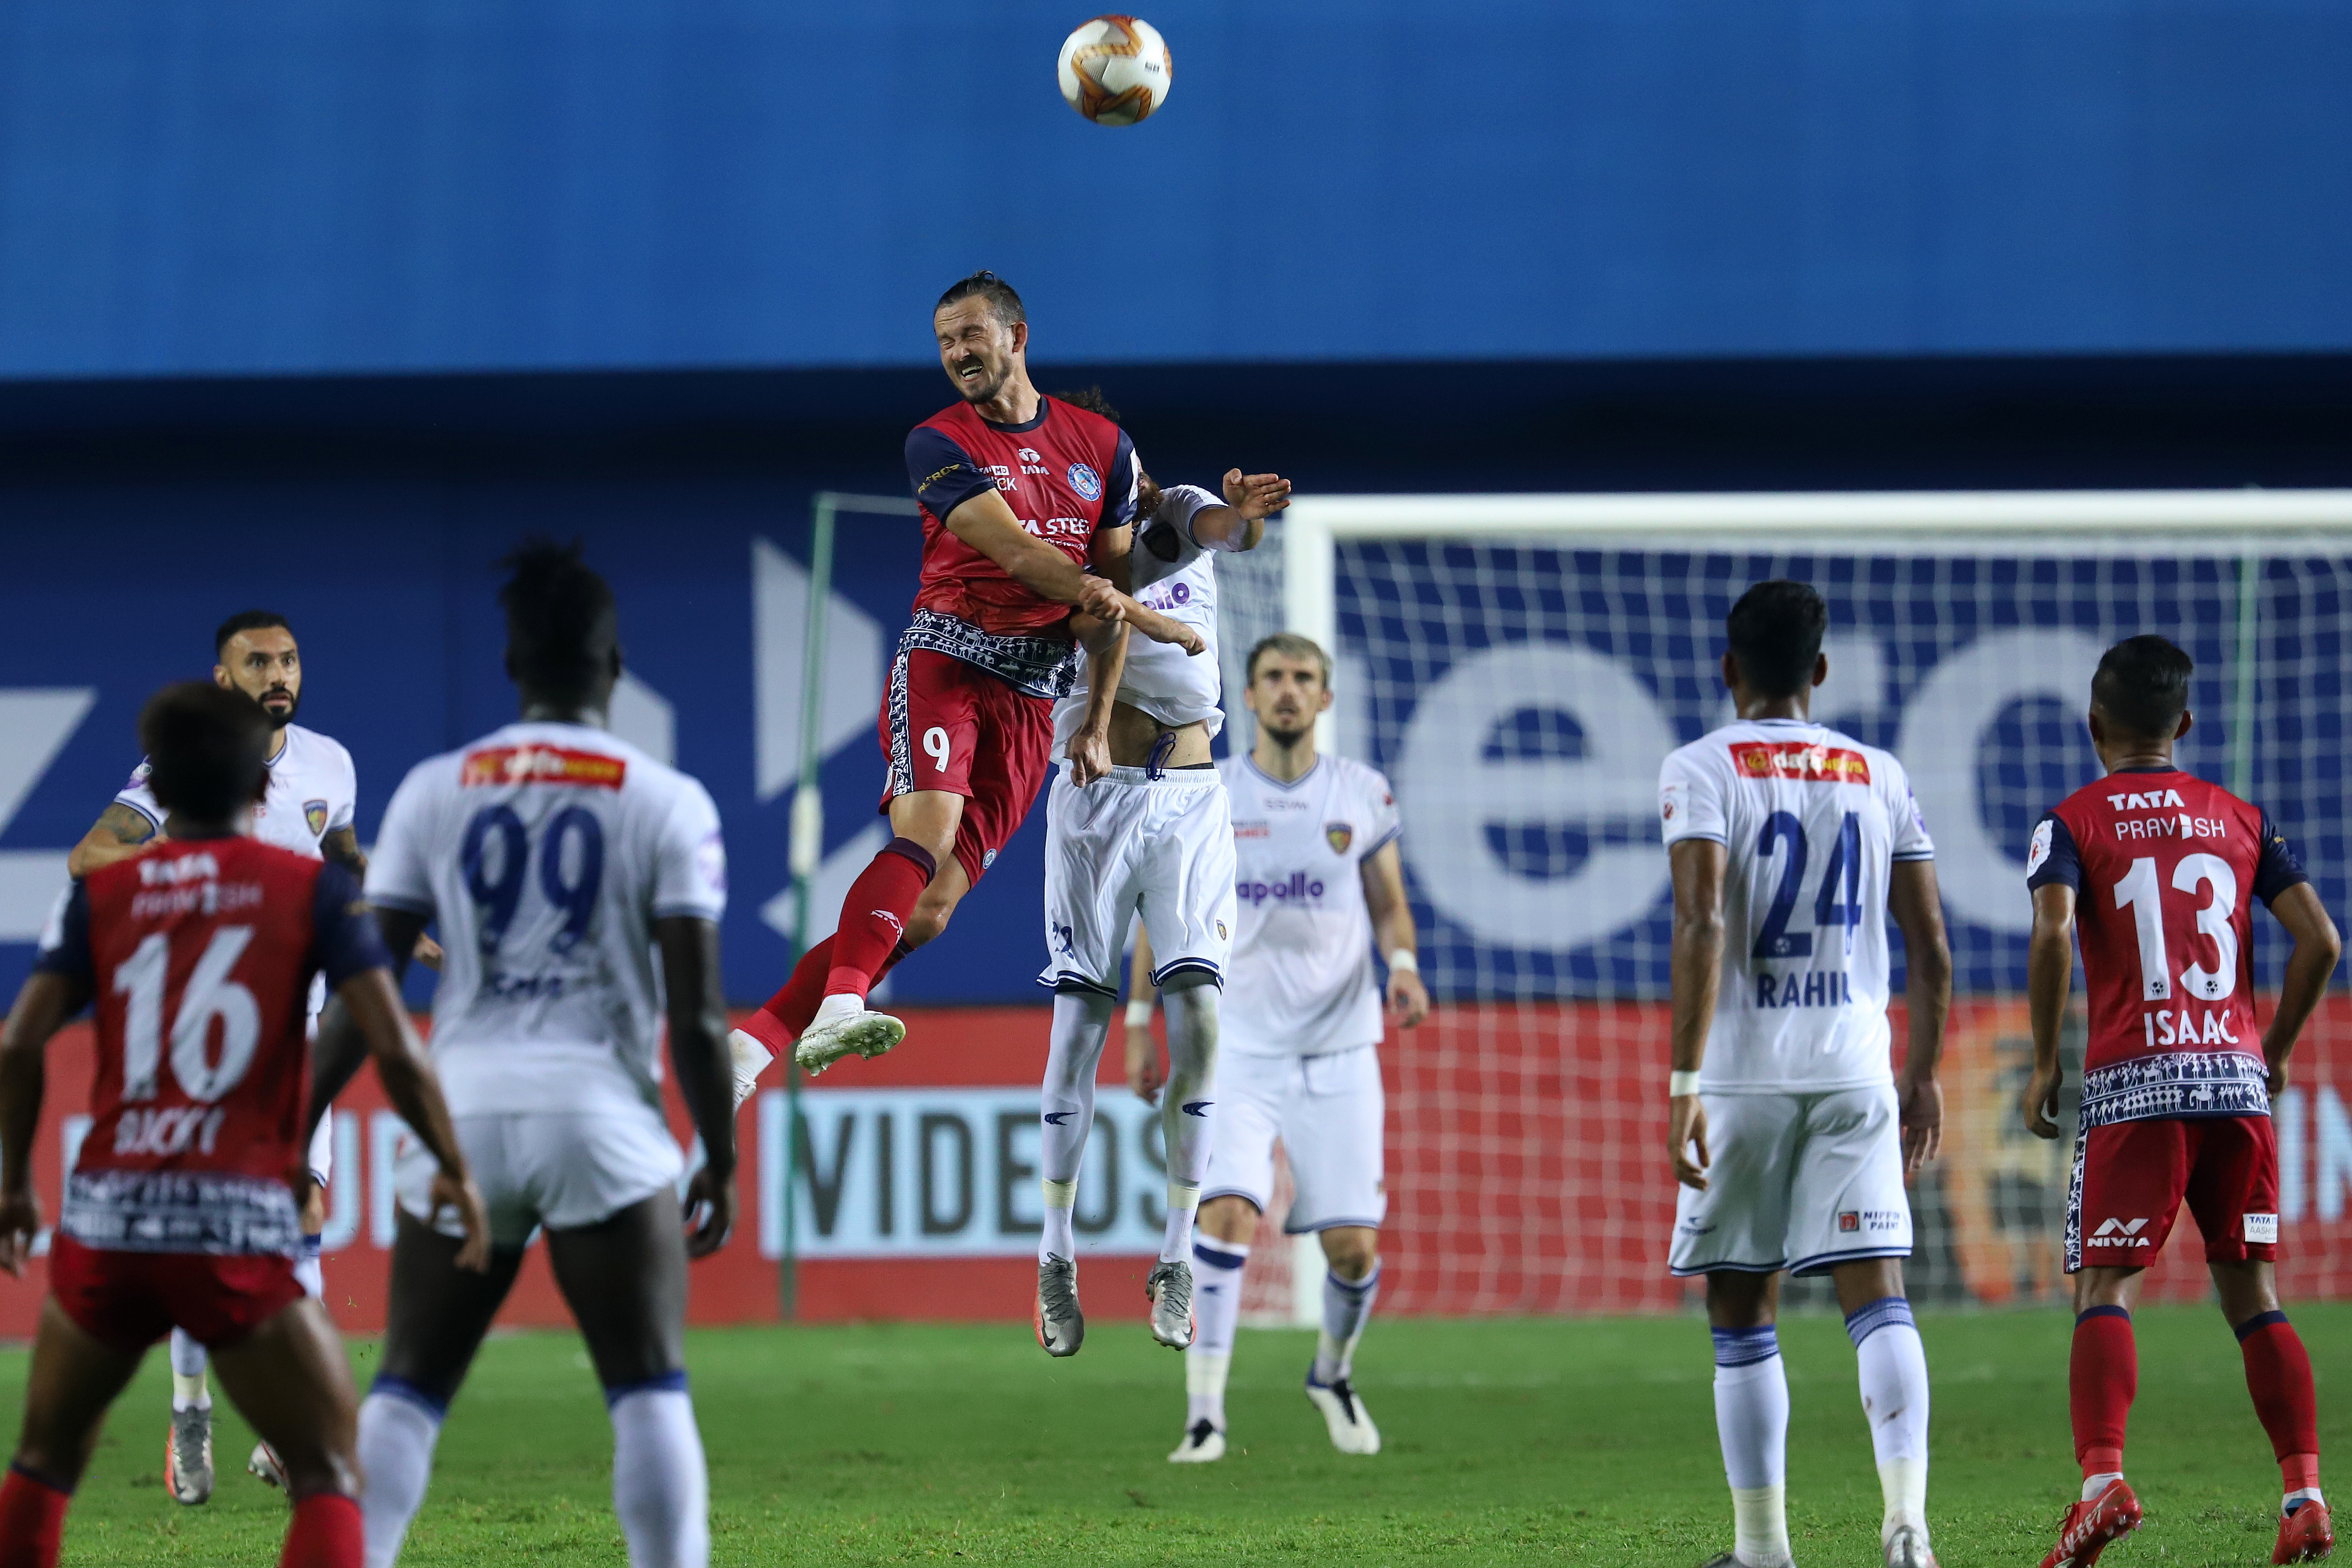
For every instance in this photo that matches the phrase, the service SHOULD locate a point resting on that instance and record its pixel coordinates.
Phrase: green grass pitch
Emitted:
(1570, 1441)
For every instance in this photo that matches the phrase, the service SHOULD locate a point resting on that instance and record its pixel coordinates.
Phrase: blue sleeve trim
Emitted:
(942, 473)
(2276, 869)
(1383, 841)
(1118, 488)
(344, 941)
(2064, 866)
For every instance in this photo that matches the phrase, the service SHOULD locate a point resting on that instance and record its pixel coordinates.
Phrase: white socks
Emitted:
(1893, 1366)
(1751, 1420)
(188, 1363)
(1081, 1026)
(2094, 1485)
(307, 1272)
(398, 1428)
(1347, 1304)
(1185, 1107)
(661, 1486)
(839, 1007)
(1216, 1310)
(748, 1058)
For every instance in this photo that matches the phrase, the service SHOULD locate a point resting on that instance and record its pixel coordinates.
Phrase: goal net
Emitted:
(1518, 666)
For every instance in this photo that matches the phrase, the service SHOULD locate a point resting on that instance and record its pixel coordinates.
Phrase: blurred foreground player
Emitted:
(2160, 870)
(1319, 883)
(1152, 837)
(560, 862)
(1019, 492)
(181, 1209)
(1790, 1139)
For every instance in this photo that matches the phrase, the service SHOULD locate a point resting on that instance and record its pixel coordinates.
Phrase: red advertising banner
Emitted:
(1526, 1161)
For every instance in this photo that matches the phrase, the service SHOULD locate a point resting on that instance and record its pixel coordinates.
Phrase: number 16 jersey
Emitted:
(546, 852)
(1811, 822)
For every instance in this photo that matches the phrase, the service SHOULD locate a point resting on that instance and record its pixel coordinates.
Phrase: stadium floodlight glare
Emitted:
(1519, 665)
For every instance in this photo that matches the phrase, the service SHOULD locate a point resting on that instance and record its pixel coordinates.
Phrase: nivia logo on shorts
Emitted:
(2120, 1233)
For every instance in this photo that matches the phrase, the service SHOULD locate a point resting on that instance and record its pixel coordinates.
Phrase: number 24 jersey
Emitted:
(547, 851)
(2164, 867)
(1811, 822)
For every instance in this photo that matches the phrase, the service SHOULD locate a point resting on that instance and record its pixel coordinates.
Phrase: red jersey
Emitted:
(199, 956)
(2166, 868)
(1068, 474)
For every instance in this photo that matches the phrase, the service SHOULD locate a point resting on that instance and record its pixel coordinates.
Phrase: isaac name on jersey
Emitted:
(1301, 980)
(548, 851)
(1067, 474)
(2162, 864)
(1175, 576)
(1810, 821)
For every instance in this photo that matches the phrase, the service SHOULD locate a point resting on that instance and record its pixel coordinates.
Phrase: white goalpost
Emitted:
(1518, 666)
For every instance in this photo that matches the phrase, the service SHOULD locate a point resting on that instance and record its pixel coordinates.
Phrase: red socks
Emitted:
(2102, 1376)
(782, 1017)
(32, 1521)
(874, 915)
(325, 1533)
(2278, 1374)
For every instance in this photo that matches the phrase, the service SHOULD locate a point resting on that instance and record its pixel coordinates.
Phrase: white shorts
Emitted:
(1799, 1182)
(1326, 1109)
(558, 1169)
(1128, 844)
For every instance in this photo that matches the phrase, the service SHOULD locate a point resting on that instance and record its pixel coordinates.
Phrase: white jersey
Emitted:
(1161, 678)
(1300, 981)
(548, 851)
(1810, 821)
(313, 790)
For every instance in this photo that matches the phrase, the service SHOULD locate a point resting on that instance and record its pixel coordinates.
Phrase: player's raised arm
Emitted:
(2049, 976)
(1240, 523)
(1392, 929)
(706, 1073)
(2317, 947)
(1695, 958)
(1918, 911)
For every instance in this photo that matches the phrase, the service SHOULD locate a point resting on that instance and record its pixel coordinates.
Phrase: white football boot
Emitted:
(844, 1027)
(1352, 1431)
(188, 1455)
(1906, 1547)
(1201, 1443)
(1061, 1327)
(263, 1466)
(1168, 1288)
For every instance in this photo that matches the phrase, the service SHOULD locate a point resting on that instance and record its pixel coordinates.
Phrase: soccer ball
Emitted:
(1115, 70)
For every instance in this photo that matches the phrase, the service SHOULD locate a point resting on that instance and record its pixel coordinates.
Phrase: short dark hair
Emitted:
(1001, 300)
(246, 621)
(1091, 399)
(2142, 684)
(562, 623)
(1776, 635)
(207, 749)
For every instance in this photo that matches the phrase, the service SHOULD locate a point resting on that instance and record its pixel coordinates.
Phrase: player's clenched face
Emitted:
(1286, 692)
(265, 666)
(977, 351)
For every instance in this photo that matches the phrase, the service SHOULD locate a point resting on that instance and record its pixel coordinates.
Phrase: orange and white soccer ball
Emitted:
(1115, 70)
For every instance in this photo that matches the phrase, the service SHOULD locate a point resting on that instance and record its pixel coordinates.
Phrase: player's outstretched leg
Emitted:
(1893, 1367)
(1190, 1002)
(1351, 1283)
(2102, 1379)
(1081, 1027)
(188, 1445)
(873, 922)
(1216, 1312)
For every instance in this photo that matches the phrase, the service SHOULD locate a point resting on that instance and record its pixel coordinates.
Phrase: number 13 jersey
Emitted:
(2165, 869)
(546, 852)
(1810, 821)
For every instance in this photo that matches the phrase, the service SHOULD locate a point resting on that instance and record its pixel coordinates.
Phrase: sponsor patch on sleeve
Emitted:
(2038, 852)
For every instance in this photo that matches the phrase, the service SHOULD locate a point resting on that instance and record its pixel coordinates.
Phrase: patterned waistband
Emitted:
(1038, 666)
(2175, 1084)
(181, 1211)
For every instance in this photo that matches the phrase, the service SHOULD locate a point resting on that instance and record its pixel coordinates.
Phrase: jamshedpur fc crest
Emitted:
(1340, 835)
(314, 817)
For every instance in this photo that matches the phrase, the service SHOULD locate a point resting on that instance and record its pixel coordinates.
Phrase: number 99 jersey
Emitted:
(2166, 868)
(546, 852)
(1810, 821)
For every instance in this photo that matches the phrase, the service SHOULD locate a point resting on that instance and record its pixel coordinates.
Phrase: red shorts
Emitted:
(131, 1299)
(952, 726)
(2130, 1176)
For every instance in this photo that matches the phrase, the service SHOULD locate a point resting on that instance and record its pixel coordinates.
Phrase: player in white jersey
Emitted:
(1151, 837)
(1319, 884)
(313, 794)
(560, 862)
(1792, 1138)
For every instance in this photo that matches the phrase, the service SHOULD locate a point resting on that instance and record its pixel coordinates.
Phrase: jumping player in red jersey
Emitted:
(1020, 494)
(2160, 868)
(182, 1209)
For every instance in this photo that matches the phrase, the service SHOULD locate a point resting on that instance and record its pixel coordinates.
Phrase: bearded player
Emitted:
(1319, 883)
(1153, 838)
(1019, 494)
(180, 1211)
(2159, 870)
(314, 794)
(1790, 845)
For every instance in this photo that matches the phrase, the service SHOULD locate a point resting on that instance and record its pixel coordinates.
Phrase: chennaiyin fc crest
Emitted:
(1340, 835)
(314, 817)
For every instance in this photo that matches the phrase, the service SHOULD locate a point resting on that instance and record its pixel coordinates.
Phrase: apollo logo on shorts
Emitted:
(2113, 1232)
